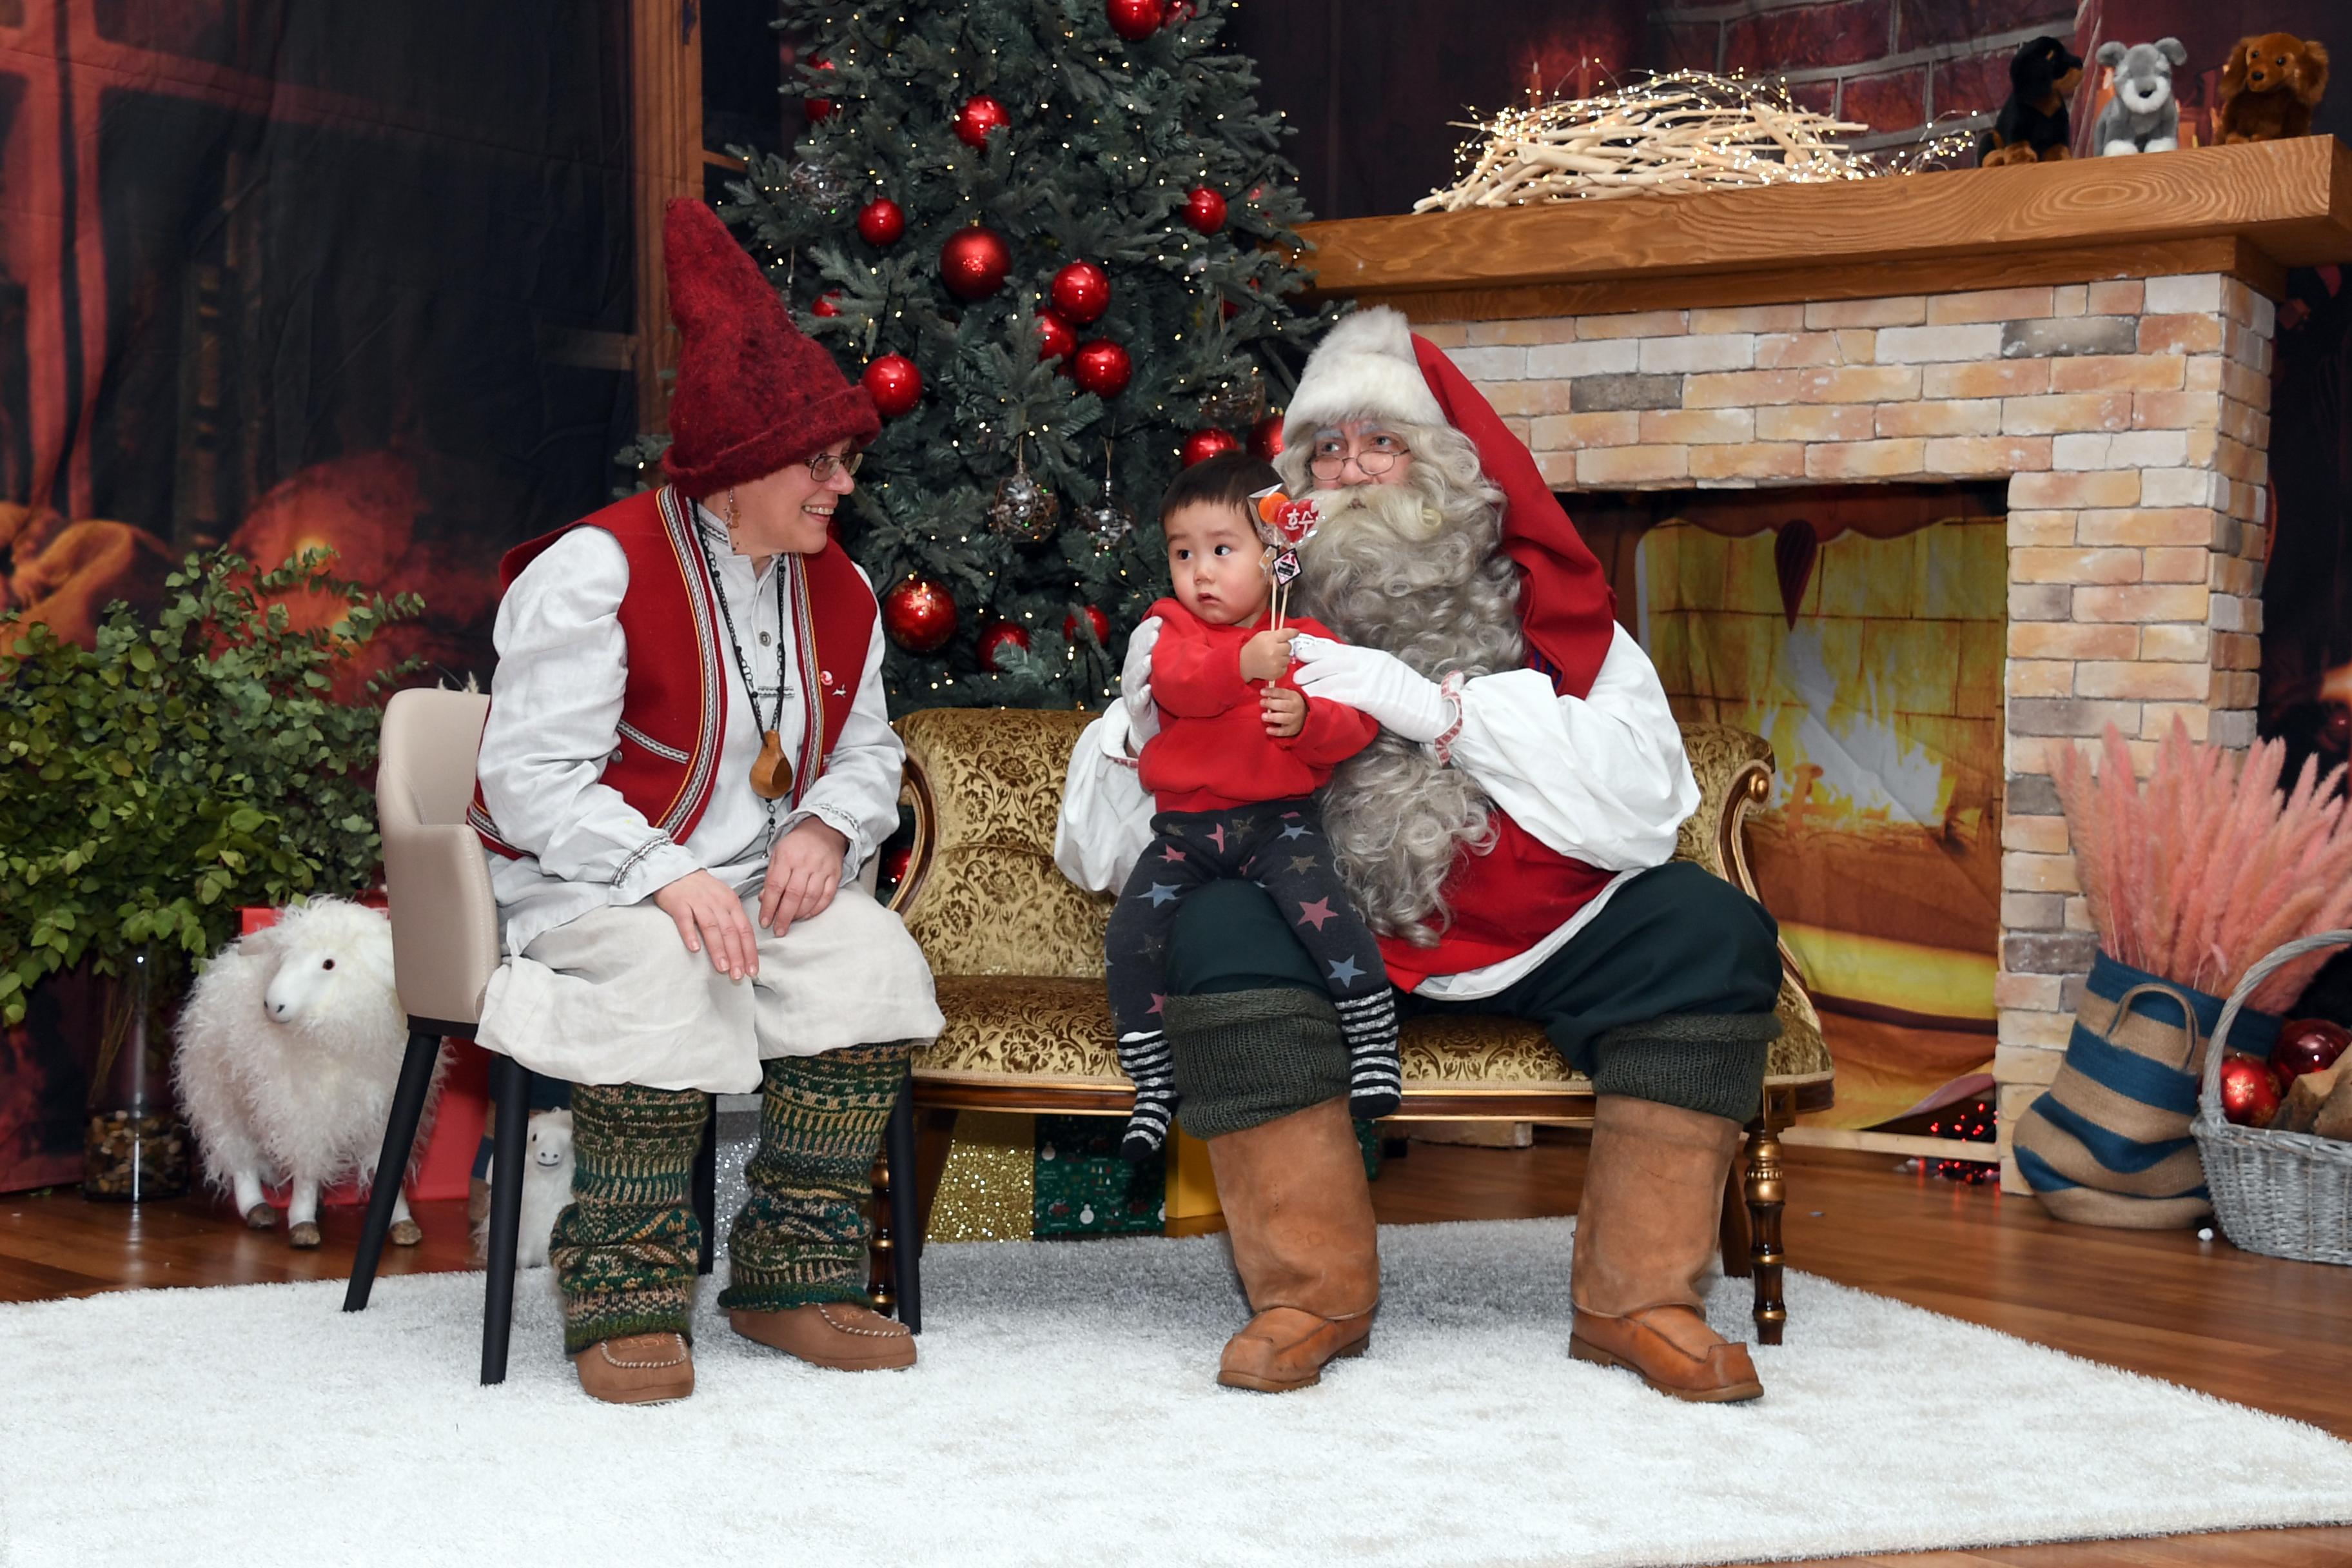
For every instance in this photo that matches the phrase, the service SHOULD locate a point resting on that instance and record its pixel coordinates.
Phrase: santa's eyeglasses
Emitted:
(1375, 455)
(820, 467)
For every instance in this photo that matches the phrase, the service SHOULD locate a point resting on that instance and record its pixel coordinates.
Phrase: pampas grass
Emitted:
(2204, 870)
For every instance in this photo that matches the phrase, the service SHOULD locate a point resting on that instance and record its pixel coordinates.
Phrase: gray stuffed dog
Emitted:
(2143, 116)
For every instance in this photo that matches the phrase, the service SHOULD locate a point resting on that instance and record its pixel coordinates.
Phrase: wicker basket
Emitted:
(2288, 1195)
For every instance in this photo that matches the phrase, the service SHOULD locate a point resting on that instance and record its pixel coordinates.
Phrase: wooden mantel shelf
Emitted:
(2251, 210)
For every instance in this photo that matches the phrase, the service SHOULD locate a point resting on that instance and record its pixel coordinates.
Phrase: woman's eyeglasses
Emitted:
(820, 467)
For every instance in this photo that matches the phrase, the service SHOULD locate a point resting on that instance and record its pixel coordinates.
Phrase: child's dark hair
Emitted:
(1228, 479)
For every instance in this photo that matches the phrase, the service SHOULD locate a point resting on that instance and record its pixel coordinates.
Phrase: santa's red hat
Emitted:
(753, 393)
(1371, 365)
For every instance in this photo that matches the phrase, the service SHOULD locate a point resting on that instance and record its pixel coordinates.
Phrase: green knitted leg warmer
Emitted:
(625, 1246)
(1709, 1062)
(802, 1237)
(1245, 1058)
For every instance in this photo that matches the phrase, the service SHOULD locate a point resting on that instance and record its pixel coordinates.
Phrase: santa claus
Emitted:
(1508, 836)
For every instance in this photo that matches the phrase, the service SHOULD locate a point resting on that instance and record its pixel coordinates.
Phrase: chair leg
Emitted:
(706, 1188)
(907, 1252)
(1734, 1238)
(391, 1164)
(510, 1087)
(1766, 1195)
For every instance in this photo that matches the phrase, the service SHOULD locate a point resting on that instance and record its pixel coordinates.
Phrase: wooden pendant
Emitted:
(772, 775)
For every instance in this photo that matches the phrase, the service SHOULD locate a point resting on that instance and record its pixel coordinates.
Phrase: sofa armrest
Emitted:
(445, 920)
(915, 792)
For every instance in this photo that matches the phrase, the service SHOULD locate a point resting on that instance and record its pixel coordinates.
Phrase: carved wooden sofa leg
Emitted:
(893, 1280)
(1766, 1195)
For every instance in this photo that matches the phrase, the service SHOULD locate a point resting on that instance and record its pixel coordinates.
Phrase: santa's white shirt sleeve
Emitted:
(1602, 778)
(555, 714)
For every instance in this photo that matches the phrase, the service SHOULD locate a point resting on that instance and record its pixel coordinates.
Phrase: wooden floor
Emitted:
(2277, 1336)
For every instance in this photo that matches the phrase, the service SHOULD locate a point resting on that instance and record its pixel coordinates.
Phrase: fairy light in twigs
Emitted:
(1675, 131)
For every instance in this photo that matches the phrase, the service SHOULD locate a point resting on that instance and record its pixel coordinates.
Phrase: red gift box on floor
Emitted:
(446, 1164)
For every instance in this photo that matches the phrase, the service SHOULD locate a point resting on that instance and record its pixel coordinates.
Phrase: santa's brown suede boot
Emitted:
(1644, 1234)
(637, 1369)
(1300, 1216)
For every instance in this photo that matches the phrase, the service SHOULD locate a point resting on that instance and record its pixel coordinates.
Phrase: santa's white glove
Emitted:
(1135, 682)
(1377, 684)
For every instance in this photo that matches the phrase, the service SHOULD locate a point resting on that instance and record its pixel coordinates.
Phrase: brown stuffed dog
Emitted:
(2270, 87)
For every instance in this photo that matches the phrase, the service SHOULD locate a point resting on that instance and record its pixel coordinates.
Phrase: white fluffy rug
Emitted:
(1064, 1413)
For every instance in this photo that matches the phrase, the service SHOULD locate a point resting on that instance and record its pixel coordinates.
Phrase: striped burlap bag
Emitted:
(2109, 1144)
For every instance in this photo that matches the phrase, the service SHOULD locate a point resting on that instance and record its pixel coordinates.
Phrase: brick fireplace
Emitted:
(1976, 326)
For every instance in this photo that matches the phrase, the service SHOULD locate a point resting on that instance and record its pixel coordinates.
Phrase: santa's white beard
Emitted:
(1413, 569)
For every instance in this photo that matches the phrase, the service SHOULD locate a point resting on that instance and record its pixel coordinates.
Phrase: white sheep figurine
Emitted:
(546, 1189)
(289, 1049)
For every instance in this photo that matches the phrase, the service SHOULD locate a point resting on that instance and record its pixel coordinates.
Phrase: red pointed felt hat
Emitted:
(753, 393)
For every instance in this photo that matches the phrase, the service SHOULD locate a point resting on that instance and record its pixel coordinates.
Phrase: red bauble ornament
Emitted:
(1179, 12)
(919, 614)
(827, 303)
(2308, 1045)
(1055, 337)
(817, 109)
(895, 385)
(895, 857)
(1094, 618)
(1205, 210)
(1102, 368)
(1134, 20)
(974, 263)
(980, 115)
(1203, 445)
(881, 221)
(1266, 439)
(2249, 1091)
(1081, 293)
(999, 633)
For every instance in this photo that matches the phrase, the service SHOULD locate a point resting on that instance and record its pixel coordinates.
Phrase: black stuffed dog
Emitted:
(2033, 124)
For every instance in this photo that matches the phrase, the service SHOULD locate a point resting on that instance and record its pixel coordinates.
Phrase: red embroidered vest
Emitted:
(674, 709)
(1504, 901)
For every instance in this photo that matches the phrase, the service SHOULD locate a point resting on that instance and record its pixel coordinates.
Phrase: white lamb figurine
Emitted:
(546, 1188)
(289, 1050)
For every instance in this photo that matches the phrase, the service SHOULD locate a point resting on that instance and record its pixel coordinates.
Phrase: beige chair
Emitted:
(444, 948)
(1017, 951)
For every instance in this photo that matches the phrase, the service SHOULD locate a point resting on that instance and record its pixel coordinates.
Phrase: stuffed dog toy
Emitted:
(2034, 125)
(2269, 88)
(2143, 116)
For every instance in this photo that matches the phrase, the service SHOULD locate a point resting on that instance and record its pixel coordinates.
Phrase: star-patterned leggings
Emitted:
(1278, 845)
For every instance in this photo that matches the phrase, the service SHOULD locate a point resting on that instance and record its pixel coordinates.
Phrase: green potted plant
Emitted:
(155, 781)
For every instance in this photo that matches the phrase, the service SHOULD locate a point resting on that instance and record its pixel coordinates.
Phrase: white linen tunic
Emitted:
(555, 721)
(1602, 778)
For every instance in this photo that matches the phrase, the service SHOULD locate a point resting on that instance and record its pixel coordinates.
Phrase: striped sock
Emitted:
(1375, 1080)
(1144, 1058)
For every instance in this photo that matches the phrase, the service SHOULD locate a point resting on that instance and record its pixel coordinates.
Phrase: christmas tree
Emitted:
(1046, 233)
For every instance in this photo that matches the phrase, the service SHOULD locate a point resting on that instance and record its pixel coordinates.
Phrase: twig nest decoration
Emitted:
(1023, 509)
(818, 184)
(1679, 131)
(1107, 521)
(1237, 399)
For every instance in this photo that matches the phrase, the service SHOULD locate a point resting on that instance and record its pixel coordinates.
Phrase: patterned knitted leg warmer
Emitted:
(802, 1236)
(626, 1248)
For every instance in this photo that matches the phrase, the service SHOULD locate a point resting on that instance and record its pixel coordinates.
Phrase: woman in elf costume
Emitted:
(687, 760)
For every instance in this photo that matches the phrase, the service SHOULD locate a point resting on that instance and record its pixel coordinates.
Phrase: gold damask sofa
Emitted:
(1018, 953)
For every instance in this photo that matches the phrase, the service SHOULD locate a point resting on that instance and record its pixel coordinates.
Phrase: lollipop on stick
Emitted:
(1285, 524)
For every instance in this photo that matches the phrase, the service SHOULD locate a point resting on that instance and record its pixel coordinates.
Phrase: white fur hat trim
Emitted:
(1363, 368)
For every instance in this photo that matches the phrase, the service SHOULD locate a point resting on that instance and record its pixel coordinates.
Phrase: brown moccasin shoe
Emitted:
(1285, 1348)
(637, 1369)
(1672, 1349)
(843, 1335)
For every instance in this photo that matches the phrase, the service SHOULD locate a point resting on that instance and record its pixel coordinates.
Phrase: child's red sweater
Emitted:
(1213, 753)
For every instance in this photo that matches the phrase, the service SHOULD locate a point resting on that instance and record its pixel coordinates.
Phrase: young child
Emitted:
(1231, 772)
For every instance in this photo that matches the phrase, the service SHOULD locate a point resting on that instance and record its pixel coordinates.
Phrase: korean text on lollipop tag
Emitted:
(1283, 522)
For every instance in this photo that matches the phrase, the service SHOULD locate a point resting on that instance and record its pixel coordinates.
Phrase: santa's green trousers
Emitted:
(624, 1250)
